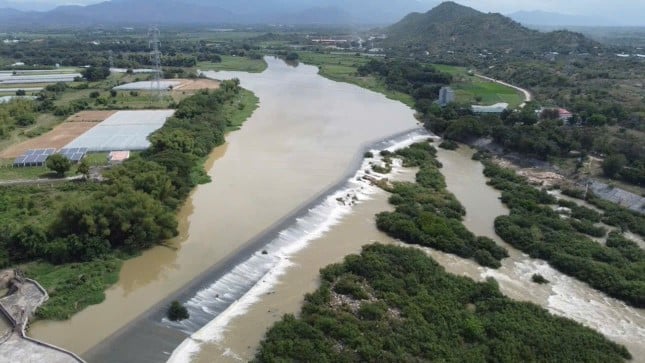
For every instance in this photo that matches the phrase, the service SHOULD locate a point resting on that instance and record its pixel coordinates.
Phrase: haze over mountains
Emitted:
(146, 12)
(329, 12)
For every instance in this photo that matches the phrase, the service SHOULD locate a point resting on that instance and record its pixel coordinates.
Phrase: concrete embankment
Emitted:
(16, 346)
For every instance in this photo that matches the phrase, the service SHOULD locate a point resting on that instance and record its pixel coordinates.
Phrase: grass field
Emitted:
(473, 90)
(72, 287)
(343, 67)
(231, 63)
(241, 110)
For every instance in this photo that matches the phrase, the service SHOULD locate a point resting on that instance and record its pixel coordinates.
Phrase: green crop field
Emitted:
(470, 89)
(231, 63)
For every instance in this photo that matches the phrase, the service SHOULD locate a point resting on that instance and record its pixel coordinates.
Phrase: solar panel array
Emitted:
(33, 157)
(73, 154)
(37, 157)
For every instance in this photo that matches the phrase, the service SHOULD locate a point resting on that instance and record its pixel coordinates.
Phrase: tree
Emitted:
(21, 92)
(59, 163)
(84, 169)
(177, 312)
(613, 164)
(94, 74)
(292, 57)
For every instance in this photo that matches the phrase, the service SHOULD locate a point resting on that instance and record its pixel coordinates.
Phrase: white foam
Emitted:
(267, 269)
(575, 300)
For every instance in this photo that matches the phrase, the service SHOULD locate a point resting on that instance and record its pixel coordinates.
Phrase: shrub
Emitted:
(539, 279)
(177, 312)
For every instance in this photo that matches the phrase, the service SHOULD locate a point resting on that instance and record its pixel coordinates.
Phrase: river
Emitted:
(295, 157)
(304, 141)
(235, 335)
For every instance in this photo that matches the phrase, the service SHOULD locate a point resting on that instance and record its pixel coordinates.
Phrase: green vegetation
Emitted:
(535, 228)
(470, 89)
(16, 114)
(177, 312)
(8, 172)
(613, 214)
(393, 304)
(449, 145)
(539, 279)
(234, 63)
(59, 164)
(77, 225)
(344, 68)
(428, 215)
(73, 287)
(421, 81)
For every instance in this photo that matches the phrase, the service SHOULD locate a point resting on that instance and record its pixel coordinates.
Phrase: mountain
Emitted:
(451, 26)
(213, 12)
(544, 18)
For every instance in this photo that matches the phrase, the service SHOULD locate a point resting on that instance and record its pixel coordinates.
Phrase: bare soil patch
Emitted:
(90, 116)
(196, 84)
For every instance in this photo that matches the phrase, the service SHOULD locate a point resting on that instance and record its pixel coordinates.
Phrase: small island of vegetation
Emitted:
(393, 304)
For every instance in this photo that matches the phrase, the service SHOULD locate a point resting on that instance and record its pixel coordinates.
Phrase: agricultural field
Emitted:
(342, 67)
(233, 63)
(470, 89)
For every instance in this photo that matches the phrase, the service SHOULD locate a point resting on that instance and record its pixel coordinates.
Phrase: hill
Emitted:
(451, 26)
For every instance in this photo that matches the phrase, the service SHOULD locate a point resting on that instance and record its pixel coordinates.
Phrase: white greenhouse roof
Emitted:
(125, 130)
(146, 86)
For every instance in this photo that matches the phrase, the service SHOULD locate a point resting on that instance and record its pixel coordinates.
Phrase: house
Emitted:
(564, 114)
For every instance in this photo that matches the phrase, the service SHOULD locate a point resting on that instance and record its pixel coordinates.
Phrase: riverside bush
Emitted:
(427, 214)
(533, 227)
(421, 313)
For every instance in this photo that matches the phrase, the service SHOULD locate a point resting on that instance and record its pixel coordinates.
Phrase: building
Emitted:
(496, 108)
(118, 157)
(446, 96)
(564, 114)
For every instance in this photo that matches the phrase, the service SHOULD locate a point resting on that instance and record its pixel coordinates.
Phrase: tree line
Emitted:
(135, 207)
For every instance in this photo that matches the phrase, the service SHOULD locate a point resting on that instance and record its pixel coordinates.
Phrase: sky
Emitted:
(618, 10)
(575, 7)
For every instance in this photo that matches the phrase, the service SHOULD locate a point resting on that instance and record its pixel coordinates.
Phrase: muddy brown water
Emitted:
(304, 137)
(238, 338)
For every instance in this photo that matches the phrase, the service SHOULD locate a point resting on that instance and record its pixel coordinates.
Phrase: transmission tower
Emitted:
(111, 61)
(155, 57)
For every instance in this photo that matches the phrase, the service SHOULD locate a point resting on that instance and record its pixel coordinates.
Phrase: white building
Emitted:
(496, 108)
(446, 96)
